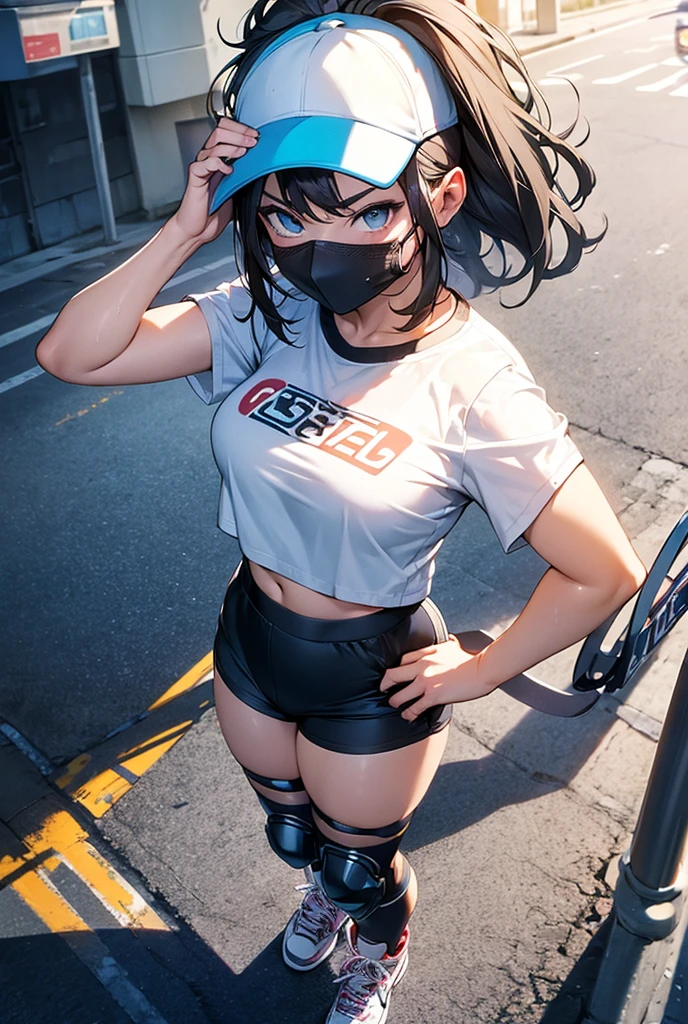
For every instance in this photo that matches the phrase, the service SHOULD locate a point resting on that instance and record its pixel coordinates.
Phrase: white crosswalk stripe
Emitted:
(21, 378)
(683, 91)
(663, 83)
(624, 77)
(559, 75)
(576, 64)
(563, 80)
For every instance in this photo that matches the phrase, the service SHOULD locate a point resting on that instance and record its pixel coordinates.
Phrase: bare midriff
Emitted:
(304, 601)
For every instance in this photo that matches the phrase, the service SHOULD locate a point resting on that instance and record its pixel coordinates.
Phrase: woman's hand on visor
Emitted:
(439, 674)
(225, 144)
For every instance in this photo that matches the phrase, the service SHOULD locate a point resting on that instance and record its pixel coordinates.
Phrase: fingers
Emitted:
(223, 150)
(225, 144)
(412, 656)
(407, 668)
(411, 692)
(201, 170)
(400, 674)
(230, 124)
(412, 713)
(416, 693)
(230, 133)
(420, 690)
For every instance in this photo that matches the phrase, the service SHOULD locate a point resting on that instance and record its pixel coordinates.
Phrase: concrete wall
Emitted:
(160, 172)
(170, 49)
(169, 53)
(231, 14)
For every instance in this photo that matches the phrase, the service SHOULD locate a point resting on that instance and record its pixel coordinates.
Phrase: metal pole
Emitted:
(651, 891)
(660, 835)
(95, 135)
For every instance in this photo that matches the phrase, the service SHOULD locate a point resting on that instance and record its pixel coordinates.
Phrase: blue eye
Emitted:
(376, 217)
(290, 224)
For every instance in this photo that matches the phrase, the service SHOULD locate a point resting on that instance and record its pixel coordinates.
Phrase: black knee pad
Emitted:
(291, 838)
(359, 879)
(353, 880)
(389, 920)
(368, 892)
(289, 827)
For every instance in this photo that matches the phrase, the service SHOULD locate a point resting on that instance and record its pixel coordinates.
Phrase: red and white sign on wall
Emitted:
(41, 47)
(65, 29)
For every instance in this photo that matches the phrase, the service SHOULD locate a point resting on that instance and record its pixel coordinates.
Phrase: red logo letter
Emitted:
(258, 393)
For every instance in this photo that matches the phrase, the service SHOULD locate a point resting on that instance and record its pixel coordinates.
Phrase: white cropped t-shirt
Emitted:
(344, 468)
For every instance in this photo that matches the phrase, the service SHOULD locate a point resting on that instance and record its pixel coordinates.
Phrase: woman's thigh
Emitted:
(368, 791)
(259, 742)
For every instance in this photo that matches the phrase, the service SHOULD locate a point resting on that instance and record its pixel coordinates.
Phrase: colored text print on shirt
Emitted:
(360, 440)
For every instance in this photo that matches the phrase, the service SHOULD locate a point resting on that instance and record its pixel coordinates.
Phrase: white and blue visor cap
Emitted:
(343, 93)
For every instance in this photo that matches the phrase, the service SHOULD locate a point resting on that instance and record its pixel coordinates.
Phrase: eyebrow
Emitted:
(352, 199)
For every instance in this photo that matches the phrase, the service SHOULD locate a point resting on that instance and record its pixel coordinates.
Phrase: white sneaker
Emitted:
(313, 930)
(367, 984)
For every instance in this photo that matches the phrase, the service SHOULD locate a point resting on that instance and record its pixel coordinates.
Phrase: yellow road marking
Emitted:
(47, 903)
(98, 794)
(63, 837)
(72, 770)
(58, 832)
(101, 792)
(11, 864)
(25, 864)
(112, 890)
(139, 759)
(82, 412)
(40, 894)
(187, 681)
(112, 772)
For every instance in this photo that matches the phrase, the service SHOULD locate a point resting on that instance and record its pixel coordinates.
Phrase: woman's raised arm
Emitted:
(107, 334)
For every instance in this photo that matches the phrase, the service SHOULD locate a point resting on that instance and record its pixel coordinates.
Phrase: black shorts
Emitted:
(324, 674)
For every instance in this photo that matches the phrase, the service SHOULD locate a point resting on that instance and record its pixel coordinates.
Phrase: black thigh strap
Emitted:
(385, 832)
(280, 785)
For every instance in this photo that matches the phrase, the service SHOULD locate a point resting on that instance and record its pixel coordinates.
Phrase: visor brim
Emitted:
(363, 151)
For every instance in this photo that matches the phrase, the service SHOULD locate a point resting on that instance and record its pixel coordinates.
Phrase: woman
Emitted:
(364, 404)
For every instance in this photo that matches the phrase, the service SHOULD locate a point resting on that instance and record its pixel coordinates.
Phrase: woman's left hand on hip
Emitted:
(439, 674)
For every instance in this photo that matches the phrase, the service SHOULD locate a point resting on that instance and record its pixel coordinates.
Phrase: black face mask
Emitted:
(341, 277)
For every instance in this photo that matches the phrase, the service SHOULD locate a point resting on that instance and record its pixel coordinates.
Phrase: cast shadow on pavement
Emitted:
(536, 757)
(540, 753)
(166, 978)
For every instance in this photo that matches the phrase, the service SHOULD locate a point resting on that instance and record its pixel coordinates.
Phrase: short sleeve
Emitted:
(517, 452)
(235, 354)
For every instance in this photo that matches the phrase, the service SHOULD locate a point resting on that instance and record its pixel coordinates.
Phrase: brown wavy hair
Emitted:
(503, 141)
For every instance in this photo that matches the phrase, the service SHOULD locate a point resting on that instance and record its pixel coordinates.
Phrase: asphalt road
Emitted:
(114, 564)
(116, 569)
(609, 340)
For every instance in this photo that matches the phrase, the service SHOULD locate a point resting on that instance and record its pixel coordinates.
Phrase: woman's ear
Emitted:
(448, 196)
